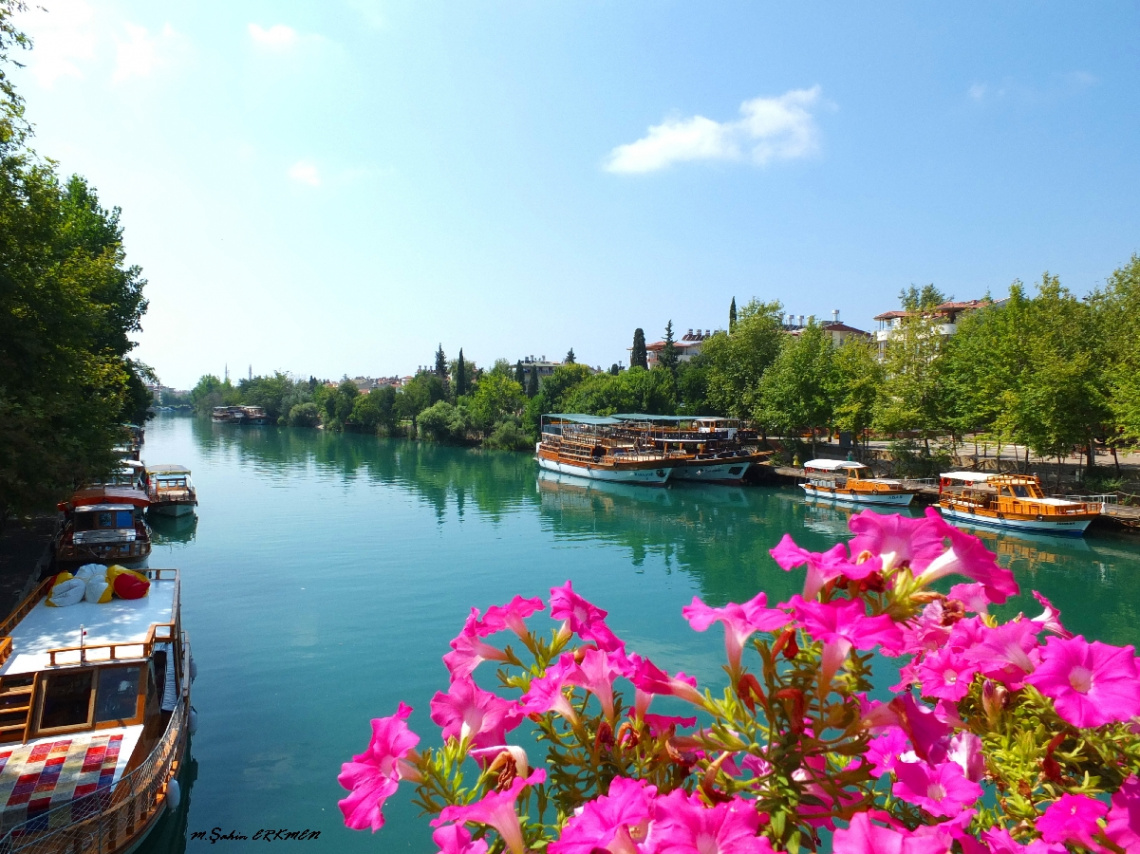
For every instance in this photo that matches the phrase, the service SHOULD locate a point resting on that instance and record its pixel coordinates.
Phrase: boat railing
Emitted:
(920, 482)
(105, 820)
(1100, 498)
(158, 633)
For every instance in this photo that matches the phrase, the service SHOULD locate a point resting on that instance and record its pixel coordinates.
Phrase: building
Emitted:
(944, 316)
(540, 366)
(836, 330)
(688, 346)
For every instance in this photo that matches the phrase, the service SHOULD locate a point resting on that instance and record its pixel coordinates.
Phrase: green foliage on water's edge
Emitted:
(68, 303)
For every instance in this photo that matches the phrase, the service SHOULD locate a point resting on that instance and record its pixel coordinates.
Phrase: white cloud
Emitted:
(781, 128)
(277, 37)
(978, 91)
(65, 38)
(305, 172)
(1057, 88)
(141, 53)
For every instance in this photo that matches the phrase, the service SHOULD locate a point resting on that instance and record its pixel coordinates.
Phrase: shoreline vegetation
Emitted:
(1053, 375)
(68, 305)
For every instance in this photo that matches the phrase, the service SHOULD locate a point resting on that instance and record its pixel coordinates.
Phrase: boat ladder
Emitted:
(15, 705)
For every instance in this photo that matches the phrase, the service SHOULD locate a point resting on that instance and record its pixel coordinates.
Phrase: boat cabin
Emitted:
(835, 472)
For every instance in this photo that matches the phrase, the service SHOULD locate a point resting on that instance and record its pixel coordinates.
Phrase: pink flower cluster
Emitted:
(989, 744)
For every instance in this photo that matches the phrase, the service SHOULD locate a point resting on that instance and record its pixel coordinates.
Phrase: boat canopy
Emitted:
(832, 465)
(574, 418)
(167, 469)
(110, 495)
(661, 419)
(967, 476)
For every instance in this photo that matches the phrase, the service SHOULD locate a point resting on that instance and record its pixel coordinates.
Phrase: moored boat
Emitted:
(170, 490)
(1013, 501)
(103, 524)
(701, 449)
(849, 481)
(94, 717)
(586, 446)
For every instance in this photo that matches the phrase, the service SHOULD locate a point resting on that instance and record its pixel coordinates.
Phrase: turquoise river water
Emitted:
(325, 576)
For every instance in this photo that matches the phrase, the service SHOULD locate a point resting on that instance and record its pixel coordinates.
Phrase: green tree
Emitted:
(441, 365)
(497, 397)
(795, 393)
(570, 357)
(423, 390)
(532, 381)
(460, 376)
(693, 386)
(856, 381)
(914, 396)
(635, 390)
(732, 316)
(305, 415)
(637, 355)
(1118, 315)
(668, 358)
(736, 362)
(520, 374)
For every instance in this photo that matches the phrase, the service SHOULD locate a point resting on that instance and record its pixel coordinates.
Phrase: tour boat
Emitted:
(94, 718)
(844, 480)
(702, 449)
(1013, 501)
(103, 524)
(254, 415)
(586, 446)
(171, 491)
(221, 415)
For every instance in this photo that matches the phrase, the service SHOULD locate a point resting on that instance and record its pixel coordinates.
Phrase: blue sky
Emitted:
(339, 187)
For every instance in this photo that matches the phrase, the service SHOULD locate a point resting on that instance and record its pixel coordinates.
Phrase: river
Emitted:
(326, 574)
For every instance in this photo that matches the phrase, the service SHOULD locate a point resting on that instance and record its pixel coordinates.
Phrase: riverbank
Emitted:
(25, 553)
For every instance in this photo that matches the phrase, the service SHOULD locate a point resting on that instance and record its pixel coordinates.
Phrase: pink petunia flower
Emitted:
(581, 618)
(497, 810)
(1006, 653)
(373, 775)
(649, 679)
(1072, 818)
(684, 825)
(1123, 828)
(546, 693)
(1090, 683)
(469, 650)
(456, 839)
(885, 752)
(510, 616)
(941, 790)
(1050, 618)
(740, 621)
(999, 841)
(822, 567)
(596, 674)
(897, 540)
(968, 556)
(613, 822)
(467, 711)
(842, 626)
(863, 837)
(946, 673)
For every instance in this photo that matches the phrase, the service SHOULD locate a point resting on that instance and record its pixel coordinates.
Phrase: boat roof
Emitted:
(120, 621)
(110, 495)
(663, 419)
(968, 476)
(167, 468)
(832, 465)
(578, 418)
(130, 464)
(95, 508)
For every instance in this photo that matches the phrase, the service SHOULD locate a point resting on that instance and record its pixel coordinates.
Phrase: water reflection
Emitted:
(173, 529)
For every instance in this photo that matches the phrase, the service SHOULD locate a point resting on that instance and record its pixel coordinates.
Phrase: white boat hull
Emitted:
(896, 499)
(1058, 527)
(646, 476)
(730, 472)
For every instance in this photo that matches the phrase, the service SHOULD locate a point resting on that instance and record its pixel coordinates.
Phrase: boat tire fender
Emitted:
(1040, 518)
(193, 668)
(192, 721)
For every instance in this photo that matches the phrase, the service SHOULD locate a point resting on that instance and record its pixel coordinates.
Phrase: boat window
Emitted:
(117, 698)
(67, 700)
(124, 519)
(1021, 492)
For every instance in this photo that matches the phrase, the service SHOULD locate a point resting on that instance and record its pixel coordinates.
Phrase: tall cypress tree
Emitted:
(441, 364)
(460, 376)
(570, 357)
(520, 375)
(637, 357)
(668, 357)
(732, 317)
(532, 381)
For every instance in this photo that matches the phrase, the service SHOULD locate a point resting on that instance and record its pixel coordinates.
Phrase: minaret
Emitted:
(227, 371)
